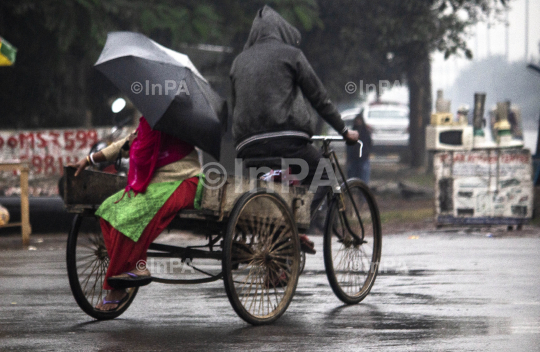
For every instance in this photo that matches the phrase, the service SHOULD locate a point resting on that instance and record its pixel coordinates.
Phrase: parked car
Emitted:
(389, 123)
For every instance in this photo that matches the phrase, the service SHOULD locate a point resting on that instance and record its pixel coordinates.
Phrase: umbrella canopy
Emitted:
(166, 88)
(7, 53)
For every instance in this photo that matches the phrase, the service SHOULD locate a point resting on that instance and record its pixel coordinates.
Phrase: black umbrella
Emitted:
(166, 88)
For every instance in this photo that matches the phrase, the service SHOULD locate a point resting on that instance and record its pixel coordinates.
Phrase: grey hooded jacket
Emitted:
(273, 86)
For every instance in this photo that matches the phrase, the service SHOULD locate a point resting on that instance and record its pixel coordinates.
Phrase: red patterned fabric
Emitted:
(123, 252)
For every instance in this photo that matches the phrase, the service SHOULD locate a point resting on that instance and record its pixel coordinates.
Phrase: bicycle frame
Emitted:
(330, 154)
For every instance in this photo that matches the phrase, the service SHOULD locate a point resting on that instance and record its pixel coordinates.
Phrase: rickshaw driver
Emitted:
(271, 81)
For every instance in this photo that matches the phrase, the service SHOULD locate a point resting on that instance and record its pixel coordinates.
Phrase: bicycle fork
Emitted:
(342, 206)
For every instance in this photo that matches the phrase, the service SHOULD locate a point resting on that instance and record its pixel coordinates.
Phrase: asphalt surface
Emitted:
(445, 291)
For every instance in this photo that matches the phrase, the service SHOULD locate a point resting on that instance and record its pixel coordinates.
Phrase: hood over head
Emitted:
(269, 24)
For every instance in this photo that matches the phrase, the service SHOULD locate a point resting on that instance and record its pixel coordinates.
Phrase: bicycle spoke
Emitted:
(264, 287)
(348, 262)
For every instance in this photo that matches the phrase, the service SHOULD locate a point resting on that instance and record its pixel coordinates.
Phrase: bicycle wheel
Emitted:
(261, 257)
(87, 262)
(302, 265)
(352, 265)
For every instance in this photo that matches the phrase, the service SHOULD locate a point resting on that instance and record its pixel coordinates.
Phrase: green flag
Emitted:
(7, 53)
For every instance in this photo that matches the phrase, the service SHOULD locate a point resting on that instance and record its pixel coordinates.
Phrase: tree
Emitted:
(388, 40)
(53, 82)
(432, 25)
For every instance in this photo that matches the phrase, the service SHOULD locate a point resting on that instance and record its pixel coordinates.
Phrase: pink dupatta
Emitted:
(149, 151)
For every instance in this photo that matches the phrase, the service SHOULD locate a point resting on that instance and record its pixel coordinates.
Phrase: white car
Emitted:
(389, 124)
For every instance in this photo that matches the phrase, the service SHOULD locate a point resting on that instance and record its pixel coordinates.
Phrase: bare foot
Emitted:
(111, 301)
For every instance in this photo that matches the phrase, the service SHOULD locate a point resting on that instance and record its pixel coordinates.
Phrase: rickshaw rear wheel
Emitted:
(87, 262)
(261, 257)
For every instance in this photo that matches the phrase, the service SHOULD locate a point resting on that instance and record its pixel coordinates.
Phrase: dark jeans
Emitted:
(360, 169)
(291, 148)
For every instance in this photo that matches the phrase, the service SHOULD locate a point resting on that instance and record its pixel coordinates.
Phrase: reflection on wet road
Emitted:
(445, 291)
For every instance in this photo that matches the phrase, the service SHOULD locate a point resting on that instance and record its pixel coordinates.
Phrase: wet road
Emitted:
(436, 292)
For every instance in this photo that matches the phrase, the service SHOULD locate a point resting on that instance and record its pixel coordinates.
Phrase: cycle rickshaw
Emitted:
(251, 227)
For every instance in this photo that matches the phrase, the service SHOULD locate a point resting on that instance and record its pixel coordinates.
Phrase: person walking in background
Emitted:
(360, 167)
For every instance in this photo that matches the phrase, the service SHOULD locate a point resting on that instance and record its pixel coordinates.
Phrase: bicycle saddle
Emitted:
(271, 162)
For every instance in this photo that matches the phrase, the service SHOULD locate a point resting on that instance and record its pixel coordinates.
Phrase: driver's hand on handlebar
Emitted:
(80, 165)
(351, 137)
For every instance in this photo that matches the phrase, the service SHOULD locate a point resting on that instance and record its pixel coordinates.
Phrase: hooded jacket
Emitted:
(274, 86)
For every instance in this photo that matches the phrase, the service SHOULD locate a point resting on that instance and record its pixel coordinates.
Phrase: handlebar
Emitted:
(329, 139)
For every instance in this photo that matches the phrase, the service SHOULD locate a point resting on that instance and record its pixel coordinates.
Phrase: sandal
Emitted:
(132, 280)
(119, 302)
